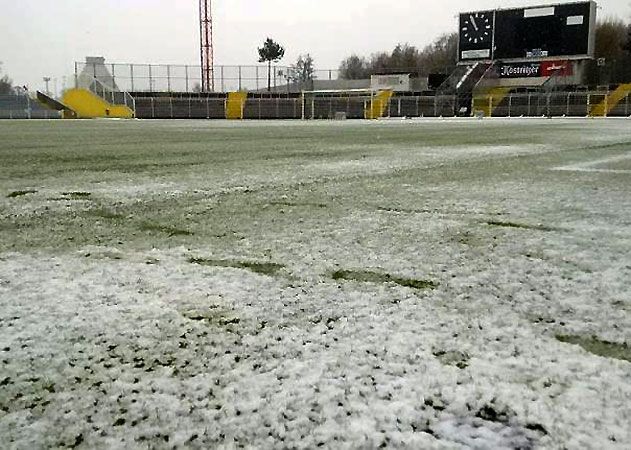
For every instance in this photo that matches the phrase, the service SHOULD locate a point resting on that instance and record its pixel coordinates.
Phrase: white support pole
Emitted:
(529, 100)
(548, 105)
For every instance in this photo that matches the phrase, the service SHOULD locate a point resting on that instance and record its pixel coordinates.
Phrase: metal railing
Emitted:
(555, 104)
(536, 104)
(112, 96)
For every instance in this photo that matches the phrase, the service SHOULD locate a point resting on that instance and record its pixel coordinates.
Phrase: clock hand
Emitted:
(475, 25)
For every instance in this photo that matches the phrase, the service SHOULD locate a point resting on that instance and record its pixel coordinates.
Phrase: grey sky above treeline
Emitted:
(44, 38)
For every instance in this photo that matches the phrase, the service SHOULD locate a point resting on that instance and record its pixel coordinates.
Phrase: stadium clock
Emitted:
(477, 28)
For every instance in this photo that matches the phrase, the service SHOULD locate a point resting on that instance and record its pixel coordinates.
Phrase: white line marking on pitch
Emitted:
(589, 165)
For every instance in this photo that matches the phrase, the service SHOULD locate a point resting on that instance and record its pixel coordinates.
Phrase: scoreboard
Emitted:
(533, 33)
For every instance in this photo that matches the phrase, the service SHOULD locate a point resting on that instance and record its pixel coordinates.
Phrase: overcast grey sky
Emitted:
(43, 38)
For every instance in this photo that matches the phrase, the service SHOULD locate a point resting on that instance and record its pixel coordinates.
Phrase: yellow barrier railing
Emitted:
(378, 105)
(613, 99)
(486, 101)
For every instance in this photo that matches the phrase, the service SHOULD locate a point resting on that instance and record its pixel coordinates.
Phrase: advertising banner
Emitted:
(536, 69)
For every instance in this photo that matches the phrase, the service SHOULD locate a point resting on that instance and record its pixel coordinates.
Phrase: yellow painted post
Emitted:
(235, 105)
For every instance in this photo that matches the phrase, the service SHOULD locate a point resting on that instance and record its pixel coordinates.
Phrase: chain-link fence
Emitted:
(183, 78)
(21, 106)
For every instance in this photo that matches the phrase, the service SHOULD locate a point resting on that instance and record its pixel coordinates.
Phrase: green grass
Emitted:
(15, 194)
(262, 268)
(598, 347)
(297, 204)
(366, 276)
(297, 201)
(453, 358)
(105, 213)
(164, 229)
(72, 196)
(522, 226)
(213, 315)
(158, 180)
(77, 195)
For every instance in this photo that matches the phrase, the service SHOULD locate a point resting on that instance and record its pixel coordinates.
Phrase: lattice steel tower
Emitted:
(206, 47)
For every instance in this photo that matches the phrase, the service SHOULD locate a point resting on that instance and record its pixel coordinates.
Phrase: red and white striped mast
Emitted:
(206, 47)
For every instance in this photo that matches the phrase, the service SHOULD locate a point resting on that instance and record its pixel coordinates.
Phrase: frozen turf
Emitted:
(408, 284)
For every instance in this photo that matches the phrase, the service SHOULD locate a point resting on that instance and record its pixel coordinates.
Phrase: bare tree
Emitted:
(611, 36)
(439, 56)
(354, 68)
(612, 44)
(303, 71)
(6, 84)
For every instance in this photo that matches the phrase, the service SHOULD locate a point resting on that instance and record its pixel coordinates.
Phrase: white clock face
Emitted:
(477, 28)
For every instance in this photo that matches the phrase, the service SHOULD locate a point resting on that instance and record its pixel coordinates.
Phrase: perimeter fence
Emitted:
(290, 107)
(22, 106)
(555, 104)
(278, 106)
(187, 78)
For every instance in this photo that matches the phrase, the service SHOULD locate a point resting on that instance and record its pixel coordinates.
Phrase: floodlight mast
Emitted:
(206, 47)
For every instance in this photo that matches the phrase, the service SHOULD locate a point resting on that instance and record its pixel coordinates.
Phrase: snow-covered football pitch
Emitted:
(400, 284)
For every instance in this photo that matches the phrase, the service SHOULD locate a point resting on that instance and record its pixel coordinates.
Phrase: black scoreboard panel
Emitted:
(549, 31)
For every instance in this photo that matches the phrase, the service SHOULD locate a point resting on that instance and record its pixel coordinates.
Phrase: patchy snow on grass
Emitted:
(402, 284)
